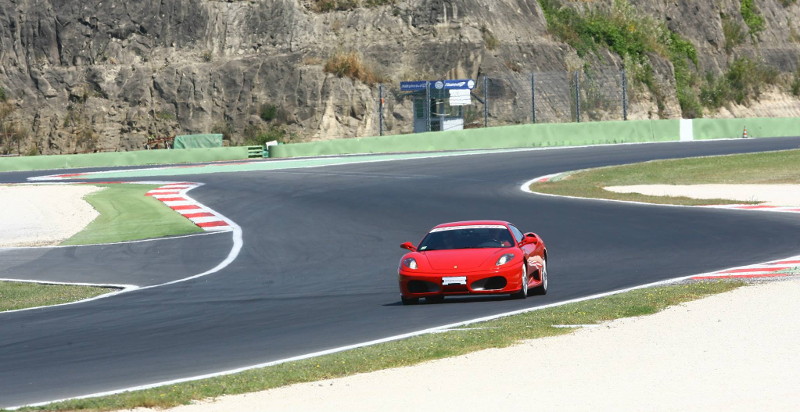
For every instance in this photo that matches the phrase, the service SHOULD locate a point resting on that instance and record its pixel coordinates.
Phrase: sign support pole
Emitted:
(380, 109)
(485, 101)
(533, 97)
(427, 106)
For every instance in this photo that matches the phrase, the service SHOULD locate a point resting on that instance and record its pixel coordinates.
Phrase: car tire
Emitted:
(523, 292)
(409, 301)
(542, 288)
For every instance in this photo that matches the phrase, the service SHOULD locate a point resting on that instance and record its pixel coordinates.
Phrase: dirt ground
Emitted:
(41, 215)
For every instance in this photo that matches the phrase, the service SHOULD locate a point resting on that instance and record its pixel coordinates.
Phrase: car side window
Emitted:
(517, 233)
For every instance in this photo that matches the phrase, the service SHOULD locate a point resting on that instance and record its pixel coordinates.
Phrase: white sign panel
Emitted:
(460, 97)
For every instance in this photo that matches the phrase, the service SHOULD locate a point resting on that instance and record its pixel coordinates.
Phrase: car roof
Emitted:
(473, 223)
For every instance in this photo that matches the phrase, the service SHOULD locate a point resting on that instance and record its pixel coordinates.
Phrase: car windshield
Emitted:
(467, 237)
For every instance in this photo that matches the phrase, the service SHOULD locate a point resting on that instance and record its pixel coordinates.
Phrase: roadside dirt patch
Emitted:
(43, 215)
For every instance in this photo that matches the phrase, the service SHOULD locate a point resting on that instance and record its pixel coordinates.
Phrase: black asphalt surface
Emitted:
(318, 266)
(143, 263)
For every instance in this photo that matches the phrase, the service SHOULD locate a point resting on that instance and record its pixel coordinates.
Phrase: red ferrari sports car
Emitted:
(473, 257)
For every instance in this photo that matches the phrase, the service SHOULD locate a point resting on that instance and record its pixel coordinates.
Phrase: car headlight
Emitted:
(410, 263)
(505, 259)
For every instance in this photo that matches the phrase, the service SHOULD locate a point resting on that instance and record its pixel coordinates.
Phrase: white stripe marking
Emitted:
(172, 203)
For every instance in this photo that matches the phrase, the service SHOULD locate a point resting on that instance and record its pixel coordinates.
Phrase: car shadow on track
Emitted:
(456, 300)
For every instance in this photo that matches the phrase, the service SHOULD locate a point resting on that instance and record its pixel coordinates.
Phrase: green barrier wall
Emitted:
(530, 135)
(705, 129)
(134, 158)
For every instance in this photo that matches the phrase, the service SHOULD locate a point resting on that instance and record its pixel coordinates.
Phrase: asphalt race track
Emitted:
(317, 269)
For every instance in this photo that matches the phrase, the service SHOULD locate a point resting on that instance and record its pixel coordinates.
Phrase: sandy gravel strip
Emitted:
(37, 215)
(777, 195)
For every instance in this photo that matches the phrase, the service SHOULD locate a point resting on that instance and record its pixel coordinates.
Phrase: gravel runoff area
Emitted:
(770, 195)
(37, 215)
(733, 351)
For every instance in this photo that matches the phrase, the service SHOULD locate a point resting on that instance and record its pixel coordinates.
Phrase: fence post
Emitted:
(577, 96)
(380, 109)
(624, 95)
(485, 101)
(533, 97)
(427, 106)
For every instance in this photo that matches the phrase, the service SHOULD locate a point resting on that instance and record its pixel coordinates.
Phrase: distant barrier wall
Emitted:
(529, 135)
(705, 129)
(520, 136)
(133, 158)
(548, 134)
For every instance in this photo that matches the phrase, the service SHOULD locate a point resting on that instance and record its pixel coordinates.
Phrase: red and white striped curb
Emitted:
(784, 267)
(174, 196)
(766, 208)
(547, 178)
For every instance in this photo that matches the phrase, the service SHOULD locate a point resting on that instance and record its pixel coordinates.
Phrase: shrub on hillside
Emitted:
(350, 65)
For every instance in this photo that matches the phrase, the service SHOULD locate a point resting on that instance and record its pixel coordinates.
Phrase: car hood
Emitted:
(463, 259)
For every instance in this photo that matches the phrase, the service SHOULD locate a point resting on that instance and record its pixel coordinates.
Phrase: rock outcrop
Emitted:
(96, 75)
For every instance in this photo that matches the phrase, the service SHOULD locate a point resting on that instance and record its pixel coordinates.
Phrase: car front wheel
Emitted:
(523, 292)
(542, 288)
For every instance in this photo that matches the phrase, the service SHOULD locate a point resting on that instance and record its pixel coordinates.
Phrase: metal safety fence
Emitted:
(596, 94)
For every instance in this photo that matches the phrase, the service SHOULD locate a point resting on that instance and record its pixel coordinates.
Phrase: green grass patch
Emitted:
(632, 36)
(492, 334)
(758, 168)
(752, 18)
(127, 214)
(22, 295)
(744, 81)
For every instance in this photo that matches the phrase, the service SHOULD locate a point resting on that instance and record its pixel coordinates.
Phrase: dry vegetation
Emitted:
(350, 64)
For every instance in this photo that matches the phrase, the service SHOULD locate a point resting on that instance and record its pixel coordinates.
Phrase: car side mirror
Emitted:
(410, 246)
(530, 238)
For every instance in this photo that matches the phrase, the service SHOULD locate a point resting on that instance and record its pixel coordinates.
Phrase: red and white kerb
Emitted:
(174, 196)
(779, 268)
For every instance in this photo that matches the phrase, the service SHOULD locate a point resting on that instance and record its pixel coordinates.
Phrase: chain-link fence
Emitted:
(543, 97)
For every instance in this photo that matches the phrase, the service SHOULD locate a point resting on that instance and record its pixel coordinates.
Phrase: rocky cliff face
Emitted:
(92, 75)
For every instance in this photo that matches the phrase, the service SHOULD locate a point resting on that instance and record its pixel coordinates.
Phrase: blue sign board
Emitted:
(455, 84)
(463, 84)
(413, 86)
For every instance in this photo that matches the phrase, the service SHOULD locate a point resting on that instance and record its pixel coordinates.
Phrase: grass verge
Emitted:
(492, 334)
(127, 214)
(22, 295)
(758, 168)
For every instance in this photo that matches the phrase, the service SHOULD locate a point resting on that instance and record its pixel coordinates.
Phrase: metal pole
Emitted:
(577, 97)
(485, 101)
(533, 97)
(427, 106)
(380, 109)
(624, 95)
(440, 108)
